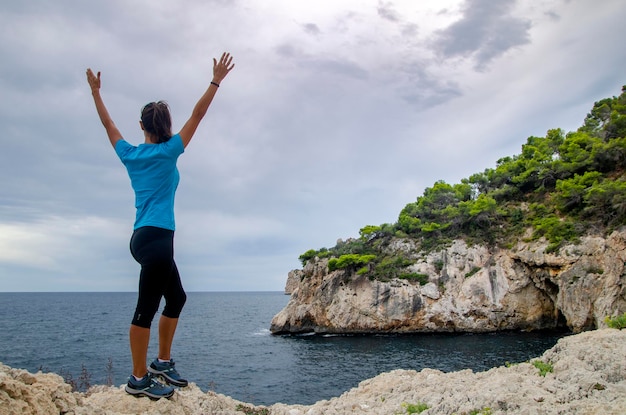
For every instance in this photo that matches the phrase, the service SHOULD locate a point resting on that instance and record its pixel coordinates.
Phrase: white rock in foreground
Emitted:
(589, 377)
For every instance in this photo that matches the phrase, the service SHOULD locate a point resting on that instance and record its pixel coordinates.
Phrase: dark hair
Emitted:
(157, 121)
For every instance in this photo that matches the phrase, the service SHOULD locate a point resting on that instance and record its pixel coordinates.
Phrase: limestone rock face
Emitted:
(24, 393)
(293, 280)
(470, 289)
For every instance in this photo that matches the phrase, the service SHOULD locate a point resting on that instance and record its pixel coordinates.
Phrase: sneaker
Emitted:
(148, 386)
(168, 371)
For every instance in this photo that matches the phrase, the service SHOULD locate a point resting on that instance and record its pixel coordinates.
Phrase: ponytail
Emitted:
(157, 121)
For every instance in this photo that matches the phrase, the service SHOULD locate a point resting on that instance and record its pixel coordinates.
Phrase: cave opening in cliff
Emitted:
(561, 321)
(551, 289)
(557, 320)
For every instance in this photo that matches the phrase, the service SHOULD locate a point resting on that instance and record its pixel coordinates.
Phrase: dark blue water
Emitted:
(223, 344)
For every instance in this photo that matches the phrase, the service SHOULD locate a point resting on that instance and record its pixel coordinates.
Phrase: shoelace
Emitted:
(156, 383)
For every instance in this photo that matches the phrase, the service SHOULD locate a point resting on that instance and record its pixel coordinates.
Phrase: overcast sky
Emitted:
(337, 114)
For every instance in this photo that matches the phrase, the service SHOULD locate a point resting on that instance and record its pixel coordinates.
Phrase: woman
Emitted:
(154, 177)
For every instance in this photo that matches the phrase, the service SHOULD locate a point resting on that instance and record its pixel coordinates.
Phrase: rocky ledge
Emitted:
(465, 289)
(582, 374)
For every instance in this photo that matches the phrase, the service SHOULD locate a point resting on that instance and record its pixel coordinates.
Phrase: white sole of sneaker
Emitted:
(140, 393)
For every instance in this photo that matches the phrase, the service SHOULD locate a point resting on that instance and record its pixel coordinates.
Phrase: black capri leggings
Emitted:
(153, 248)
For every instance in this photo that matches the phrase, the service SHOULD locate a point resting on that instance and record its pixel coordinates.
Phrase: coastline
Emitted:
(588, 377)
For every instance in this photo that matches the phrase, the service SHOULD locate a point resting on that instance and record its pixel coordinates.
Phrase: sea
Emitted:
(223, 344)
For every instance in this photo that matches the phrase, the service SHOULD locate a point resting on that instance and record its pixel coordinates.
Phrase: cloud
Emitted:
(387, 12)
(485, 31)
(311, 29)
(50, 244)
(426, 89)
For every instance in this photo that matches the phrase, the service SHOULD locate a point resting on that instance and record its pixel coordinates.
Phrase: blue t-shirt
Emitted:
(154, 177)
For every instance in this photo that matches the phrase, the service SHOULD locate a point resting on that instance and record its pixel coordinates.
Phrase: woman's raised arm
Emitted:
(220, 70)
(112, 132)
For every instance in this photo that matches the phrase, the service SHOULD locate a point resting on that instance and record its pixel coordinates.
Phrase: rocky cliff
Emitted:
(584, 374)
(468, 288)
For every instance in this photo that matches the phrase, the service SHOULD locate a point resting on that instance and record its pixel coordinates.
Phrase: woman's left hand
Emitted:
(94, 81)
(223, 67)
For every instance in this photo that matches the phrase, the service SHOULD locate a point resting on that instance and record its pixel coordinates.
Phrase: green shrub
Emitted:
(369, 232)
(415, 408)
(543, 367)
(312, 253)
(413, 276)
(390, 267)
(307, 256)
(554, 229)
(618, 322)
(473, 271)
(349, 261)
(324, 253)
(570, 192)
(594, 269)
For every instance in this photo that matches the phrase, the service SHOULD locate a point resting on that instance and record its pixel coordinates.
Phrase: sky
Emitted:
(336, 115)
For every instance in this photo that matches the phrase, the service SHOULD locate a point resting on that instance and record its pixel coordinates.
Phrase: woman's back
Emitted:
(154, 178)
